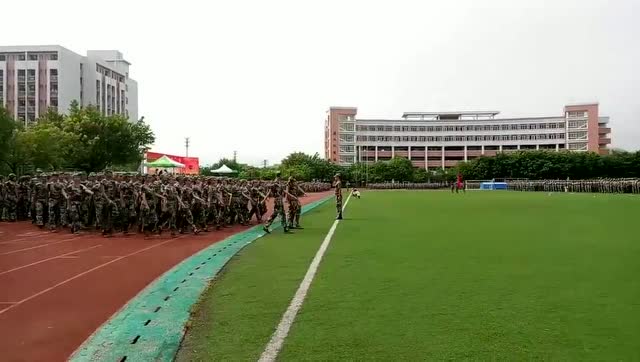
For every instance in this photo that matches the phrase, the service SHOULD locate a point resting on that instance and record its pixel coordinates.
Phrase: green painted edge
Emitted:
(159, 339)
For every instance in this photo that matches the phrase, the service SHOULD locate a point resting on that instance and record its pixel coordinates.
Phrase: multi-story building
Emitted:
(442, 139)
(36, 78)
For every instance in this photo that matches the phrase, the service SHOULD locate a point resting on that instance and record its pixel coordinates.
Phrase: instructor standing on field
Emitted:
(337, 183)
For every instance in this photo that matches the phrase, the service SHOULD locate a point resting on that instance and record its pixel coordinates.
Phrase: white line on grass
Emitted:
(277, 339)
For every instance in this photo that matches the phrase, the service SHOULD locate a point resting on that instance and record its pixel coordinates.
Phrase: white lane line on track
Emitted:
(274, 346)
(30, 238)
(51, 258)
(83, 274)
(38, 246)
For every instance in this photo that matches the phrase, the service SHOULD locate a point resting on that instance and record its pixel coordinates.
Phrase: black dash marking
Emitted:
(135, 340)
(209, 258)
(175, 290)
(197, 268)
(167, 298)
(203, 263)
(191, 273)
(157, 309)
(183, 280)
(123, 359)
(147, 322)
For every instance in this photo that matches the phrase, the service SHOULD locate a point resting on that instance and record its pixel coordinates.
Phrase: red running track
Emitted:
(56, 289)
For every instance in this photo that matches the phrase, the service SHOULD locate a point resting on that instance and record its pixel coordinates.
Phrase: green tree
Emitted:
(8, 129)
(96, 142)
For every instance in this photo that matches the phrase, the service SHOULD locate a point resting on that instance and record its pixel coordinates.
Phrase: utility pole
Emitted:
(235, 154)
(264, 164)
(186, 146)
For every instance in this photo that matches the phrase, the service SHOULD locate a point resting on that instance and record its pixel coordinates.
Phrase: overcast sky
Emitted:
(258, 76)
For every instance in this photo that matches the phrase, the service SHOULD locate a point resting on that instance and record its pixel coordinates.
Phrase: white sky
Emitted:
(258, 76)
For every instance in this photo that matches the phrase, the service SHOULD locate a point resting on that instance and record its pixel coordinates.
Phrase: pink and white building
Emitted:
(442, 139)
(36, 78)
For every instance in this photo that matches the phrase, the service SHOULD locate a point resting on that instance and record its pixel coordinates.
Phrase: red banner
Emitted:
(191, 164)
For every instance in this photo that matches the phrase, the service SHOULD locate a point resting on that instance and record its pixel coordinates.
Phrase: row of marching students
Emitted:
(150, 204)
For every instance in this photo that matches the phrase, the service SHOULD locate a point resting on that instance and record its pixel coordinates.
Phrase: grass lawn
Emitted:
(430, 275)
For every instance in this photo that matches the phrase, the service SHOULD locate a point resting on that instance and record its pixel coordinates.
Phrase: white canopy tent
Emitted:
(223, 170)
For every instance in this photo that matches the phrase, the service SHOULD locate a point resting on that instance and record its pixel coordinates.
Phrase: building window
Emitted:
(3, 57)
(347, 148)
(33, 56)
(53, 56)
(21, 57)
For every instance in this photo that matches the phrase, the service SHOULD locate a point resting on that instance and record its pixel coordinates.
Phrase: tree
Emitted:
(97, 142)
(7, 136)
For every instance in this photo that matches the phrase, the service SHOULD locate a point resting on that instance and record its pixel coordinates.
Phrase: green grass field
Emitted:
(431, 275)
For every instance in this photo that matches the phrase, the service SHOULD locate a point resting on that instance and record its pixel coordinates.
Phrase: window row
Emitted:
(109, 73)
(30, 56)
(513, 137)
(495, 127)
(578, 114)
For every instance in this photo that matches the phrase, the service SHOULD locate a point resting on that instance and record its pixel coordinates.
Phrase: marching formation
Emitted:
(622, 186)
(149, 204)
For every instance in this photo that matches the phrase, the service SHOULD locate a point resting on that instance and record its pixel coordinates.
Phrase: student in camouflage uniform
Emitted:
(57, 208)
(337, 184)
(295, 209)
(11, 197)
(76, 193)
(127, 196)
(257, 200)
(276, 191)
(169, 209)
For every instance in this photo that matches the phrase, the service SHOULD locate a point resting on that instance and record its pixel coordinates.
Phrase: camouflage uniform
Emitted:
(295, 209)
(11, 197)
(338, 192)
(57, 208)
(76, 195)
(127, 210)
(277, 192)
(40, 199)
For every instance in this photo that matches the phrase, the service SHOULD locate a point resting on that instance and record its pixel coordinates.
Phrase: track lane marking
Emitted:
(48, 259)
(33, 237)
(38, 246)
(274, 346)
(83, 274)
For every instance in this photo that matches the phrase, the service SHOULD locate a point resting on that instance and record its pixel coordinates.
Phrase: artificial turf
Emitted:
(237, 314)
(484, 275)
